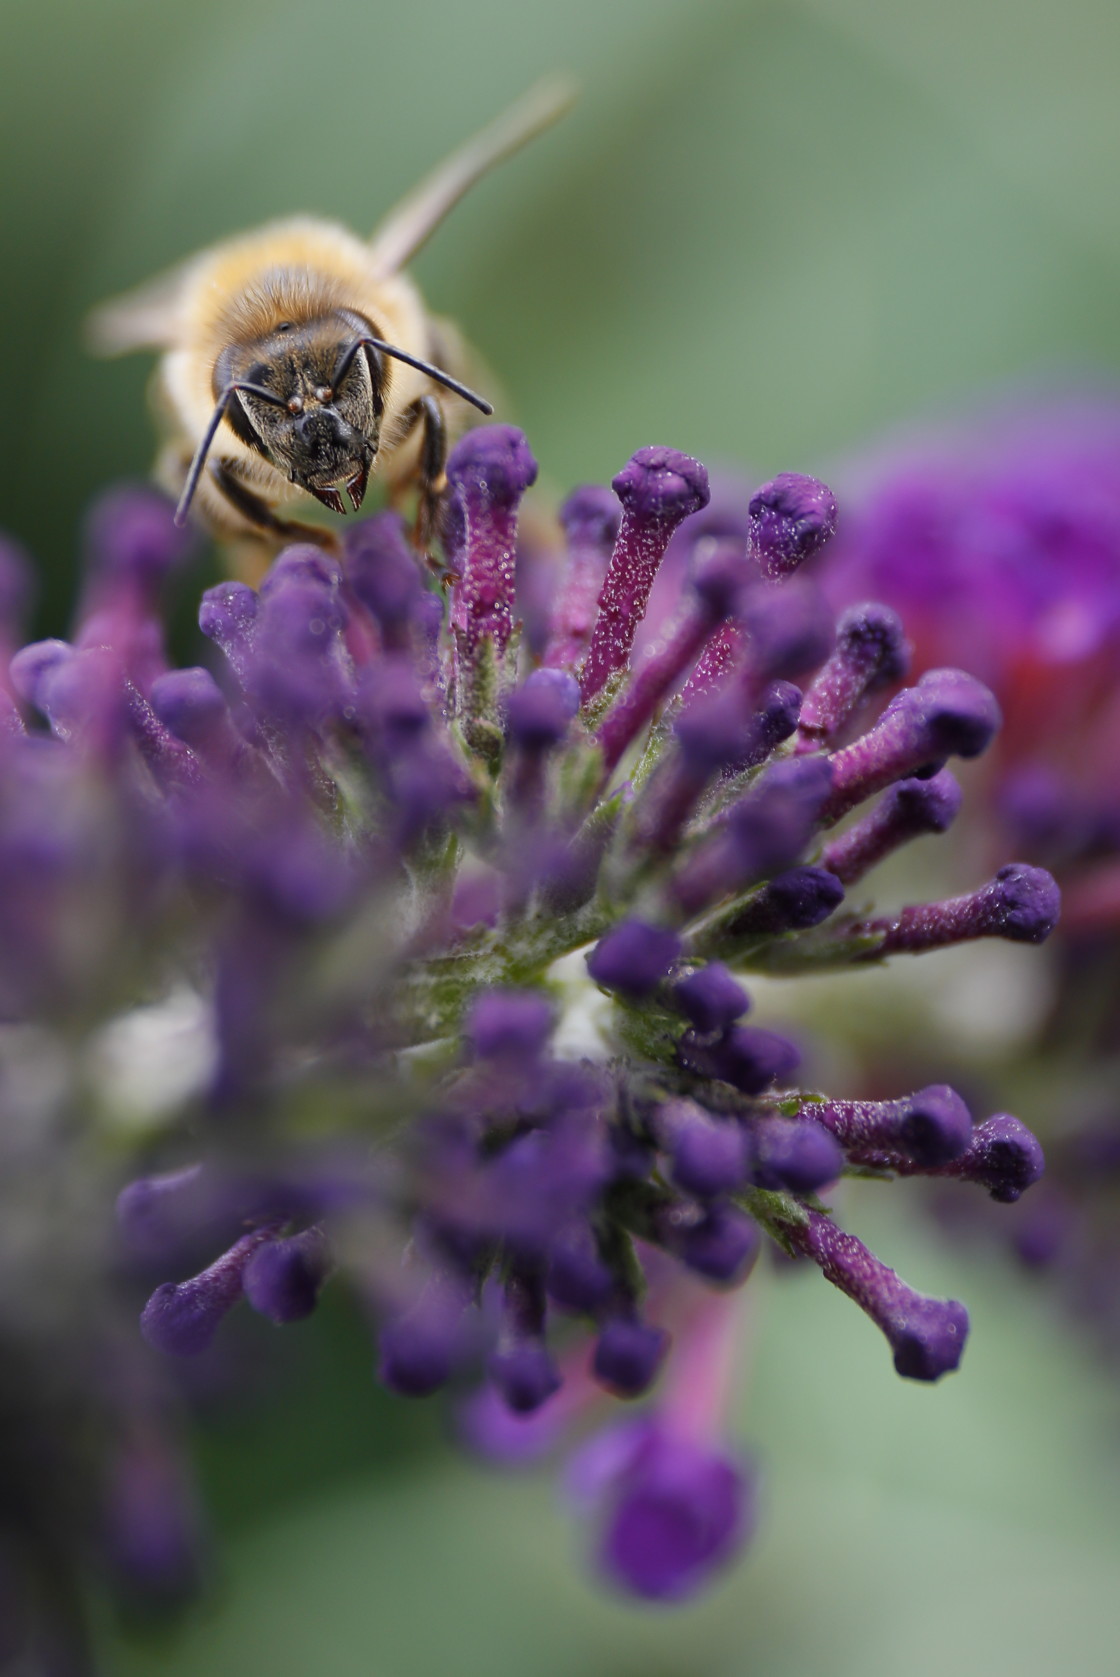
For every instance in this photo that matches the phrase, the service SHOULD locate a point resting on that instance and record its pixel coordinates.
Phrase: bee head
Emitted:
(310, 397)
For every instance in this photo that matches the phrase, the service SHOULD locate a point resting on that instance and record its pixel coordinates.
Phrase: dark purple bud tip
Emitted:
(721, 573)
(283, 1278)
(722, 1247)
(679, 1514)
(793, 901)
(182, 1318)
(590, 517)
(493, 460)
(662, 484)
(925, 806)
(790, 519)
(541, 709)
(953, 714)
(790, 629)
(709, 1157)
(305, 564)
(1003, 1156)
(509, 1024)
(189, 702)
(927, 1337)
(795, 1153)
(381, 568)
(1025, 903)
(577, 1279)
(633, 958)
(228, 612)
(710, 998)
(526, 1376)
(934, 1125)
(748, 1058)
(872, 637)
(417, 1353)
(628, 1354)
(33, 664)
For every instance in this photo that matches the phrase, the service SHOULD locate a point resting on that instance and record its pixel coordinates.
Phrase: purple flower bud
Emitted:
(710, 998)
(181, 1318)
(1002, 1156)
(526, 1376)
(628, 1355)
(541, 710)
(716, 731)
(283, 1278)
(930, 1127)
(673, 1511)
(577, 1279)
(795, 1153)
(776, 818)
(906, 811)
(590, 518)
(228, 616)
(926, 1335)
(297, 674)
(658, 488)
(789, 630)
(509, 1025)
(748, 1058)
(1020, 904)
(661, 485)
(489, 471)
(33, 664)
(763, 835)
(948, 714)
(791, 518)
(790, 902)
(633, 958)
(420, 1349)
(710, 1155)
(191, 704)
(85, 697)
(722, 1246)
(871, 652)
(381, 569)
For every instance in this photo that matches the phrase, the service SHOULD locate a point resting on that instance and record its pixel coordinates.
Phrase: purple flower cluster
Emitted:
(367, 836)
(1000, 544)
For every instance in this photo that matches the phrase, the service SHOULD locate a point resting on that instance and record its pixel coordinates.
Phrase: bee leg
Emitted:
(261, 516)
(431, 479)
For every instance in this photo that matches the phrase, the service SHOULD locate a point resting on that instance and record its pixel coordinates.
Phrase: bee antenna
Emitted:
(205, 445)
(352, 349)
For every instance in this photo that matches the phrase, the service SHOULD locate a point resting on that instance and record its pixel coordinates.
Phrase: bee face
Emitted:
(325, 429)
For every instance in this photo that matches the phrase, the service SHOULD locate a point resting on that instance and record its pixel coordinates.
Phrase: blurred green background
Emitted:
(768, 233)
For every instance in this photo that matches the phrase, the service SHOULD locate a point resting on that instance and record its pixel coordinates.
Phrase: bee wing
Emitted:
(396, 240)
(146, 318)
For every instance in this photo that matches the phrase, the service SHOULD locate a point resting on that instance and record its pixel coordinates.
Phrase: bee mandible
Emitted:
(298, 357)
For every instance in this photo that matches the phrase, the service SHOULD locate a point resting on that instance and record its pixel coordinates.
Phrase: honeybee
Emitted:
(299, 356)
